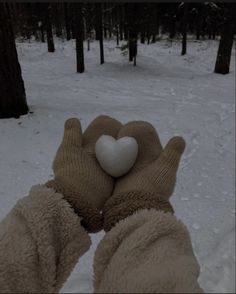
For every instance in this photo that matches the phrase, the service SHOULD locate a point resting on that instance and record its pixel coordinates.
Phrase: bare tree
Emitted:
(226, 42)
(12, 91)
(79, 36)
(184, 28)
(100, 30)
(48, 24)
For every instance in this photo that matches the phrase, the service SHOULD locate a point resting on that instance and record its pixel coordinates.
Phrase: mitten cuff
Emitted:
(91, 218)
(124, 204)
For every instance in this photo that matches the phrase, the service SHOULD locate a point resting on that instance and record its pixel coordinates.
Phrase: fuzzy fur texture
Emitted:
(41, 240)
(148, 252)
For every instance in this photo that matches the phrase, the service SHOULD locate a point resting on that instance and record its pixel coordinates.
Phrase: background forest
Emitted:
(171, 64)
(129, 22)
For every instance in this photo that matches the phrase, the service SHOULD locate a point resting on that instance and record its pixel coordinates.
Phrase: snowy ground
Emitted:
(179, 95)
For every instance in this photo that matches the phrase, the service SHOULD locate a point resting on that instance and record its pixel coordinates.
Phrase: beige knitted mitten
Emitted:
(78, 175)
(151, 181)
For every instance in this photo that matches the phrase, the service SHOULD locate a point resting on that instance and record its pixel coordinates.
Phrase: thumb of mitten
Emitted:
(165, 167)
(70, 145)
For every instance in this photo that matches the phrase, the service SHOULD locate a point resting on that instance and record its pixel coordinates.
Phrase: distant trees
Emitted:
(127, 22)
(12, 92)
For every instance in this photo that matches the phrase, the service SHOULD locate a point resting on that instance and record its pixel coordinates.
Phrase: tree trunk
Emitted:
(131, 9)
(158, 23)
(105, 22)
(121, 23)
(226, 42)
(203, 28)
(99, 30)
(28, 13)
(172, 27)
(48, 24)
(67, 24)
(125, 17)
(155, 19)
(184, 29)
(79, 36)
(117, 35)
(12, 91)
(214, 35)
(198, 32)
(110, 26)
(88, 44)
(142, 39)
(126, 34)
(39, 8)
(148, 34)
(56, 18)
(42, 33)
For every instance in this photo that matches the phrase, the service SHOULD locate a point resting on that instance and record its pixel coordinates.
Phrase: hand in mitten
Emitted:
(78, 175)
(151, 181)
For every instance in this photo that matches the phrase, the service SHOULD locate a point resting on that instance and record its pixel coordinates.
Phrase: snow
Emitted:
(179, 95)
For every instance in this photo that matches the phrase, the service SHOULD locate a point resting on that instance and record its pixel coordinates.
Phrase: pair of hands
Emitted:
(84, 184)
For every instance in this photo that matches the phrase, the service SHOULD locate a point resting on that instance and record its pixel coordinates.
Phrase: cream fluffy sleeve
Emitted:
(41, 240)
(148, 252)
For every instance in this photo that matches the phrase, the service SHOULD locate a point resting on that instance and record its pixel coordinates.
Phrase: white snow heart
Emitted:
(116, 157)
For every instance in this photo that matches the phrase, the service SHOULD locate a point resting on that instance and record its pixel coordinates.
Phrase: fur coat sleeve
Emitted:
(148, 252)
(41, 240)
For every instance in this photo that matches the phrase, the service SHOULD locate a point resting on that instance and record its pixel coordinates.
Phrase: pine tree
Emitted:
(12, 92)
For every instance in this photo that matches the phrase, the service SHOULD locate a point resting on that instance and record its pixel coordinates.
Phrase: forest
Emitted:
(126, 24)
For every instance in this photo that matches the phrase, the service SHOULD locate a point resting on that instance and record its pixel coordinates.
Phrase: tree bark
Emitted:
(117, 35)
(100, 30)
(42, 33)
(121, 22)
(198, 30)
(172, 26)
(142, 37)
(184, 29)
(12, 91)
(67, 23)
(131, 14)
(48, 23)
(97, 28)
(226, 42)
(79, 35)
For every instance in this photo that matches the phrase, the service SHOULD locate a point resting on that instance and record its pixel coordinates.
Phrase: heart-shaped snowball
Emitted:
(116, 157)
